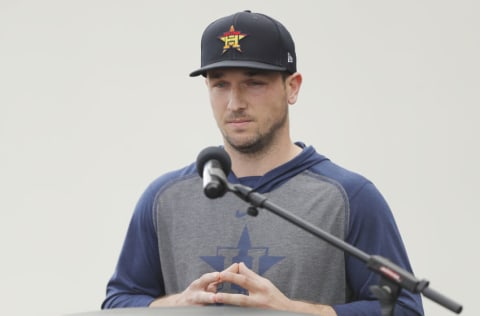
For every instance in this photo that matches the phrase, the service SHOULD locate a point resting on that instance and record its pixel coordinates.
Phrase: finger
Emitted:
(245, 278)
(235, 278)
(243, 269)
(212, 287)
(206, 279)
(233, 268)
(234, 299)
(203, 298)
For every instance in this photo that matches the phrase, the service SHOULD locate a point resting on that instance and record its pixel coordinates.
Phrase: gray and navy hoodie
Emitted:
(176, 234)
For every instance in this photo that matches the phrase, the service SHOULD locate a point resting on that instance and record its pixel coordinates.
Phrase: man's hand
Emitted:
(199, 292)
(263, 294)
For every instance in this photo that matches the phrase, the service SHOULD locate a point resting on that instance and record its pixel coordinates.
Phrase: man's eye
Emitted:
(219, 85)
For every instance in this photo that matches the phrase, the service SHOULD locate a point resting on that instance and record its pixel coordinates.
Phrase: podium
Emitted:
(188, 311)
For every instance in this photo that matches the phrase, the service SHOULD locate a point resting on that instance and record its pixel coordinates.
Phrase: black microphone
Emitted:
(213, 164)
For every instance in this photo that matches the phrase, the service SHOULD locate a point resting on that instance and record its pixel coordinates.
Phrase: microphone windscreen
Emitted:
(214, 153)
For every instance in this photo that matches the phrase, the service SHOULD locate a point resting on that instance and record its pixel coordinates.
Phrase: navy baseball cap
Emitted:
(247, 40)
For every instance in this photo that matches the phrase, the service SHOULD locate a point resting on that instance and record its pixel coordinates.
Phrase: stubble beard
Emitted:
(261, 142)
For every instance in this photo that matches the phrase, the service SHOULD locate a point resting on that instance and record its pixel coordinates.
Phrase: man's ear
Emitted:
(294, 82)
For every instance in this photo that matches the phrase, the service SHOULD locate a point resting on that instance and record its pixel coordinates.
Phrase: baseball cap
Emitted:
(248, 40)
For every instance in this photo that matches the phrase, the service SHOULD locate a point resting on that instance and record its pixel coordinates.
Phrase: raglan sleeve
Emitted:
(137, 278)
(372, 229)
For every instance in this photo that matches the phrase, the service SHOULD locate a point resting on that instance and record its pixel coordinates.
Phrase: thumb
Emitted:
(233, 268)
(243, 269)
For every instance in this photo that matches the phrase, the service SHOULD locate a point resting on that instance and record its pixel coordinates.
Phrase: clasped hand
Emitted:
(203, 291)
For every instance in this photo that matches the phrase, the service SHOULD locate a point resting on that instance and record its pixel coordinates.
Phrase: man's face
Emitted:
(250, 107)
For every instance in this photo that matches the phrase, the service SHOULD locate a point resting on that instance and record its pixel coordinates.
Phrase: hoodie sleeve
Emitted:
(373, 230)
(137, 279)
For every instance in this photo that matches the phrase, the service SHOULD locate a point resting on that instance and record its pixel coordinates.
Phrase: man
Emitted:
(185, 249)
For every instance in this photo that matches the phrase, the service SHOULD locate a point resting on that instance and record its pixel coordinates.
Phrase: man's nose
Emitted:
(236, 100)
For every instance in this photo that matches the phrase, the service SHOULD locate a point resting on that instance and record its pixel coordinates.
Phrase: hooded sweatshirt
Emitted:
(177, 234)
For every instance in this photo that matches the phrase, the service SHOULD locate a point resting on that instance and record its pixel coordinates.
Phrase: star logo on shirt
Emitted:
(256, 258)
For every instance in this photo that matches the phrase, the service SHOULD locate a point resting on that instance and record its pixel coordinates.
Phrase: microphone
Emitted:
(213, 164)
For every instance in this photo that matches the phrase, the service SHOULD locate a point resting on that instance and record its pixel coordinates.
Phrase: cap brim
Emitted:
(236, 64)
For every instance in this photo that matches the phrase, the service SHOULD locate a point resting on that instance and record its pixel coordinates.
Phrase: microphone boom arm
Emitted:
(394, 277)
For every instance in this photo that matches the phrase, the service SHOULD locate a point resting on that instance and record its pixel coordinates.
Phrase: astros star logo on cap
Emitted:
(231, 39)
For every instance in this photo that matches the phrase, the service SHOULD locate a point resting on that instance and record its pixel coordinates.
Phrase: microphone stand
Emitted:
(393, 278)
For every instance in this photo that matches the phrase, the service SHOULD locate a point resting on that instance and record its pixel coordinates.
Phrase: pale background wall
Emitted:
(95, 102)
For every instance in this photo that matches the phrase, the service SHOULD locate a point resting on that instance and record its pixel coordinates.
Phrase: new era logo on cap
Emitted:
(247, 40)
(289, 58)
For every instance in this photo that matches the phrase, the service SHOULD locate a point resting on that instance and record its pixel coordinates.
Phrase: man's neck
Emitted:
(258, 164)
